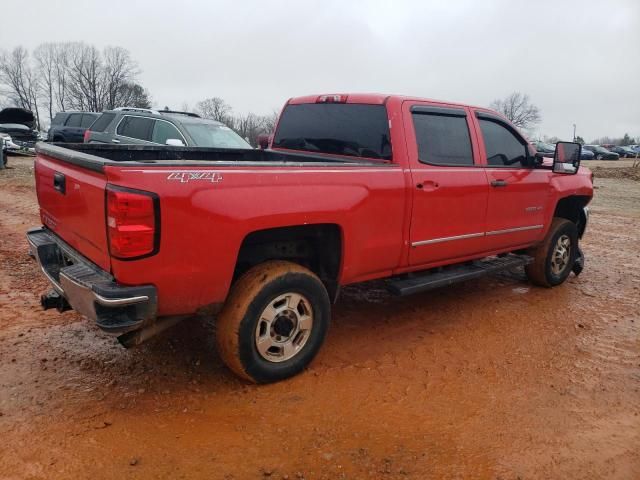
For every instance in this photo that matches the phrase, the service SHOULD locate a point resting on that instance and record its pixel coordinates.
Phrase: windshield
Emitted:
(601, 150)
(214, 135)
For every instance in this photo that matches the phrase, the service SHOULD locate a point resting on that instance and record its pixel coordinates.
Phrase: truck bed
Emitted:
(94, 156)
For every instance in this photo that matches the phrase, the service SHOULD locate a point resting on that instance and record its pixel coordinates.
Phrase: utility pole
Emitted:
(574, 132)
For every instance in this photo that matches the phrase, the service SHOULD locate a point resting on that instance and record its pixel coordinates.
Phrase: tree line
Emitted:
(70, 76)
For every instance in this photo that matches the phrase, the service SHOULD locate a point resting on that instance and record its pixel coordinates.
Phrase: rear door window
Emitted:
(103, 122)
(87, 120)
(136, 127)
(443, 139)
(356, 130)
(74, 120)
(504, 148)
(163, 131)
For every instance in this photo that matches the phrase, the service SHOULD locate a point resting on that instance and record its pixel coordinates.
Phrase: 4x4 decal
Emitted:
(187, 176)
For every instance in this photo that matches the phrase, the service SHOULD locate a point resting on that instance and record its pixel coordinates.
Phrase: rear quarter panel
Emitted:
(204, 222)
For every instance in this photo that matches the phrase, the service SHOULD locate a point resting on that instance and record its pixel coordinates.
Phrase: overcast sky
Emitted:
(578, 60)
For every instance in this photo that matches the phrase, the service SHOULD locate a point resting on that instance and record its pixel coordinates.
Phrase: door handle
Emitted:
(115, 140)
(499, 183)
(427, 185)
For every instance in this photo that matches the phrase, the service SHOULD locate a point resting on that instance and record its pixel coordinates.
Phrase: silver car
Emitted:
(161, 127)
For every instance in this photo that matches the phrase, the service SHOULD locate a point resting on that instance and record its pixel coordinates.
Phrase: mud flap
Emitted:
(578, 265)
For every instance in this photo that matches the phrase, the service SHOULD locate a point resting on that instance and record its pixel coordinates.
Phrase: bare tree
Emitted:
(45, 68)
(118, 73)
(214, 108)
(20, 81)
(250, 126)
(270, 122)
(518, 109)
(61, 75)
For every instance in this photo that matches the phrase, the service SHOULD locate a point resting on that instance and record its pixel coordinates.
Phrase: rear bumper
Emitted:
(89, 290)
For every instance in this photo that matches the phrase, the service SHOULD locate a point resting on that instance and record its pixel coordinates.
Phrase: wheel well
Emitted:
(572, 208)
(317, 247)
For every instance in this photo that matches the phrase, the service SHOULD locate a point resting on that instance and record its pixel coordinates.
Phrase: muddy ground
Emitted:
(493, 379)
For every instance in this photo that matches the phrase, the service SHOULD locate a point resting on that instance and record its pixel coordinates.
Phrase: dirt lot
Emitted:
(494, 379)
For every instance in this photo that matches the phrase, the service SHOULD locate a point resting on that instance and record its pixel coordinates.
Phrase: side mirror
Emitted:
(174, 142)
(263, 141)
(566, 158)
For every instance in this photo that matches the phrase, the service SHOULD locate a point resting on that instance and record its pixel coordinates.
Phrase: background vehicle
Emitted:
(624, 152)
(70, 126)
(136, 238)
(587, 154)
(601, 153)
(546, 149)
(164, 127)
(18, 124)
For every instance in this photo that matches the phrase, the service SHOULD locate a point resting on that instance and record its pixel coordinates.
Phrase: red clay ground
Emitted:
(492, 379)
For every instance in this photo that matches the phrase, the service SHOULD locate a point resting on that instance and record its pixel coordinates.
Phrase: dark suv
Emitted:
(70, 126)
(163, 127)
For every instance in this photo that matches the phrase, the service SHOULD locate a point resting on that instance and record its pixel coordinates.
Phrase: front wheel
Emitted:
(274, 322)
(554, 258)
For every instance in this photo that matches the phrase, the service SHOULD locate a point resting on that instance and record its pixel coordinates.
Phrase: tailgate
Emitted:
(72, 205)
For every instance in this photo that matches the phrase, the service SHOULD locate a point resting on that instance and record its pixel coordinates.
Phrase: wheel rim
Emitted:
(561, 255)
(284, 327)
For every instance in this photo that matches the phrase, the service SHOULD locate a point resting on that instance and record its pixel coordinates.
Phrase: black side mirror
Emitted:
(566, 158)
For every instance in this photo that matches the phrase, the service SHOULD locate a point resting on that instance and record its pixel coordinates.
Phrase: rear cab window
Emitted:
(350, 129)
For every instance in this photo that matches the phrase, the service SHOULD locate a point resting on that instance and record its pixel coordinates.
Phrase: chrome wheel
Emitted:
(284, 327)
(561, 255)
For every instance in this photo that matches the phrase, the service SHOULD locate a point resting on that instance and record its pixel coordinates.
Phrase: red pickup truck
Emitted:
(351, 188)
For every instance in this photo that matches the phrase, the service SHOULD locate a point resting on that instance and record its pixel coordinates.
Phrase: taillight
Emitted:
(87, 136)
(133, 219)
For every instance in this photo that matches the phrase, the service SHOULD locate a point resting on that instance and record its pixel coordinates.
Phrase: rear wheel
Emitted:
(274, 322)
(554, 259)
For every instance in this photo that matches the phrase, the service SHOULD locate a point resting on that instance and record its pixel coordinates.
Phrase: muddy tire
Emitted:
(553, 259)
(273, 322)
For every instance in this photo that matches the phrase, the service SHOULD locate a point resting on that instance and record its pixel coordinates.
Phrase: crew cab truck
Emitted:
(351, 188)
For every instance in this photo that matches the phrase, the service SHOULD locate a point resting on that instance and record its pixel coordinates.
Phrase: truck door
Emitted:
(518, 193)
(450, 187)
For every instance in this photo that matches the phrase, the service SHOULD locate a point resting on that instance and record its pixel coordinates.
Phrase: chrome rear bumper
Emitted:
(90, 290)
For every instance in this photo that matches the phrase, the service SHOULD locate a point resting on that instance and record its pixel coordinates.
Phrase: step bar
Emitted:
(437, 278)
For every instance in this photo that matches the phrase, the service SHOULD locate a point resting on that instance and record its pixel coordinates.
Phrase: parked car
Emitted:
(18, 124)
(70, 126)
(3, 152)
(545, 149)
(139, 237)
(163, 127)
(601, 153)
(586, 154)
(624, 152)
